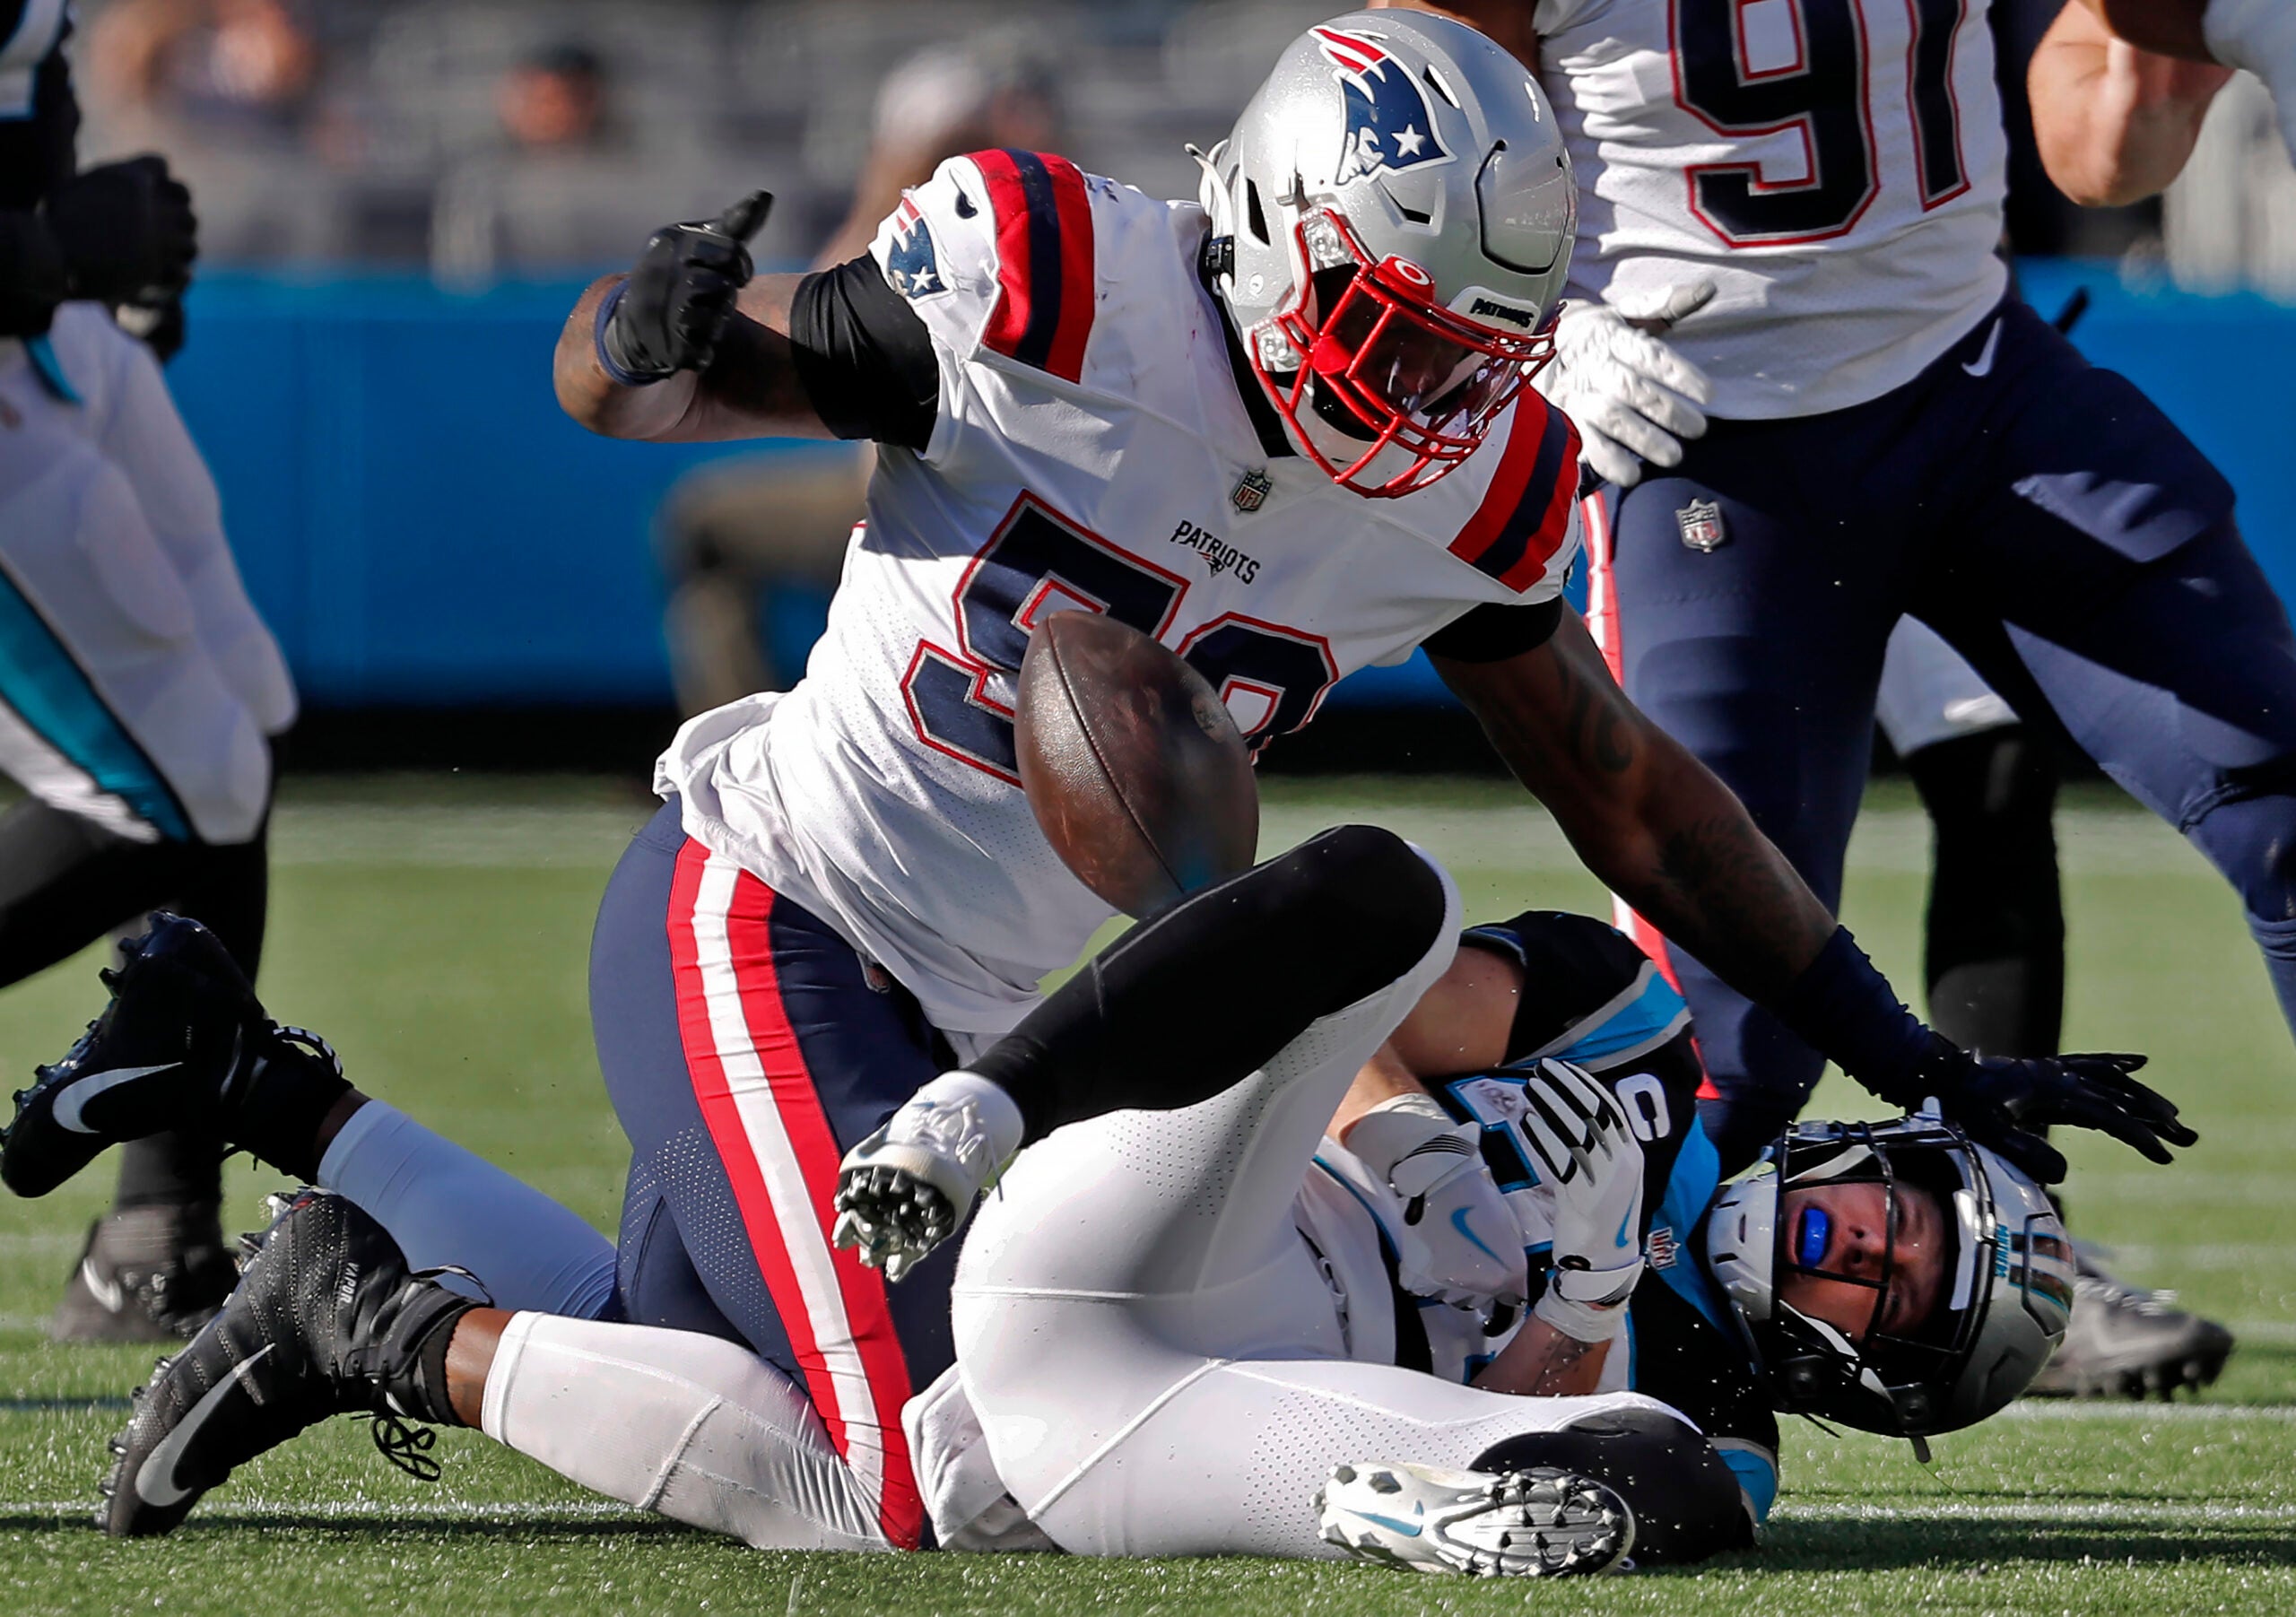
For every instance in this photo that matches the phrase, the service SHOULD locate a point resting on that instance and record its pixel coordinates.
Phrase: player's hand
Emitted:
(2003, 1103)
(126, 231)
(1460, 1242)
(671, 312)
(1632, 398)
(1589, 1158)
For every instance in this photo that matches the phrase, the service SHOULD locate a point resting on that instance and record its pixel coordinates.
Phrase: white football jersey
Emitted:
(1092, 450)
(1835, 168)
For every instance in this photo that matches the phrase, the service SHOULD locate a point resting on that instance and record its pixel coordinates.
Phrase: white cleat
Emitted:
(1541, 1522)
(905, 1188)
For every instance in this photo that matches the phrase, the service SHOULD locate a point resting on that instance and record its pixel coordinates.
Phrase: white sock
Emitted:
(691, 1427)
(447, 1206)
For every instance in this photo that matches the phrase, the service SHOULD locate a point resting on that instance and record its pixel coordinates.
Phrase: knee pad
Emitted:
(1687, 1505)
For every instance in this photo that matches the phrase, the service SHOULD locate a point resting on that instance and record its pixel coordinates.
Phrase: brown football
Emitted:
(1132, 763)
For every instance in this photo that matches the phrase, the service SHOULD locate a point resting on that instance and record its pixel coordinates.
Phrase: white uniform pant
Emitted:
(137, 686)
(1149, 1348)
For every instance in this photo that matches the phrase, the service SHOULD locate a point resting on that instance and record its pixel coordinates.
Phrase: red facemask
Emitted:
(1402, 371)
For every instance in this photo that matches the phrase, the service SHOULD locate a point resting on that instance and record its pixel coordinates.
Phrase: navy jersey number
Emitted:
(1821, 93)
(1038, 563)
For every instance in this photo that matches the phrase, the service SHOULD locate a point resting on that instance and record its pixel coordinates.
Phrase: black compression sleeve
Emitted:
(1187, 1005)
(1494, 632)
(32, 280)
(864, 356)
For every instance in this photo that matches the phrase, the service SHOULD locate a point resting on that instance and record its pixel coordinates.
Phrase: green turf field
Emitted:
(436, 931)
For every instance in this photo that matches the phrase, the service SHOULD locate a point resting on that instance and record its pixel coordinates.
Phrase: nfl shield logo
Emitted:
(1252, 489)
(1702, 524)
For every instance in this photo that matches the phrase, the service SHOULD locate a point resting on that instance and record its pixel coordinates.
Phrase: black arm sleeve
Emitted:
(32, 280)
(864, 357)
(1495, 631)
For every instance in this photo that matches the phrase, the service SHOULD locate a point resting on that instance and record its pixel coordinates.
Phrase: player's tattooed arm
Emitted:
(749, 388)
(1646, 816)
(2115, 123)
(1540, 1362)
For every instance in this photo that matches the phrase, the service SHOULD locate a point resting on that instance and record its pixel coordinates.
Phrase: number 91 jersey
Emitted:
(1090, 450)
(1835, 167)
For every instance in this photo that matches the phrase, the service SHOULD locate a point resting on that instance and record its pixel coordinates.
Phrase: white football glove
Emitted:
(1460, 1242)
(2259, 35)
(1632, 398)
(1588, 1156)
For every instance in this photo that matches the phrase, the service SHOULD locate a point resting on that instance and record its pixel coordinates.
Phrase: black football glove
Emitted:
(673, 308)
(127, 230)
(2005, 1102)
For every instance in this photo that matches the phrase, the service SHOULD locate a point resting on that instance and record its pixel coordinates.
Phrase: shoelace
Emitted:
(406, 1446)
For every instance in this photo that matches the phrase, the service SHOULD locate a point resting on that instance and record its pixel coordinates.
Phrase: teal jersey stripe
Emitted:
(1757, 1476)
(51, 693)
(1658, 1011)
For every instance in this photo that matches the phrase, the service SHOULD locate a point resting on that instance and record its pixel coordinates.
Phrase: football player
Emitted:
(1793, 358)
(1288, 435)
(1241, 1303)
(138, 689)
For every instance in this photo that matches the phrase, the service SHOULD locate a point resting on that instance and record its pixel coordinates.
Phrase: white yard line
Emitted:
(559, 1510)
(2086, 1411)
(2131, 1512)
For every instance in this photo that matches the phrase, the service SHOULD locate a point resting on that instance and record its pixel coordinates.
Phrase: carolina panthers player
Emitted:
(1892, 1276)
(138, 689)
(1792, 358)
(1243, 1313)
(1288, 434)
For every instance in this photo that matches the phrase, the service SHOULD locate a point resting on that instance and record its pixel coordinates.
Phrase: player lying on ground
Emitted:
(1180, 416)
(1397, 1268)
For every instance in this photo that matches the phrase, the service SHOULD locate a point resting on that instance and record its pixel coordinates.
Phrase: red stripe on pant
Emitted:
(839, 1328)
(1603, 623)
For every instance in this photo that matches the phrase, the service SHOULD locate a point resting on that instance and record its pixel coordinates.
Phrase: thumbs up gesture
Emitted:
(669, 314)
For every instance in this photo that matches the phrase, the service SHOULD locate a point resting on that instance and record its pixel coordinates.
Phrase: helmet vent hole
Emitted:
(1439, 83)
(1416, 216)
(1255, 220)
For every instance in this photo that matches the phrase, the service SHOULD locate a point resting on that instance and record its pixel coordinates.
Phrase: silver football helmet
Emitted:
(1392, 219)
(2005, 1296)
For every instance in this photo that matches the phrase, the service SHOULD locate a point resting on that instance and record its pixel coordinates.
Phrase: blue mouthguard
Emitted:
(1810, 1233)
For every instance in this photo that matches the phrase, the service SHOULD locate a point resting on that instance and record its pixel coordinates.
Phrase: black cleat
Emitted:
(156, 1272)
(326, 1320)
(180, 1043)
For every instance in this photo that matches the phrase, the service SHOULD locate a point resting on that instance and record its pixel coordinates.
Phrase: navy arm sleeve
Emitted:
(864, 357)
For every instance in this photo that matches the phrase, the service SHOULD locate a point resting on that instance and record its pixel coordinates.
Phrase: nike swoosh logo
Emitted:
(75, 1096)
(155, 1479)
(1459, 1223)
(1983, 364)
(1408, 1529)
(1624, 1226)
(105, 1289)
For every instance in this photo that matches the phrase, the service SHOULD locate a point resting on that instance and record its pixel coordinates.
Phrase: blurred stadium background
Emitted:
(399, 197)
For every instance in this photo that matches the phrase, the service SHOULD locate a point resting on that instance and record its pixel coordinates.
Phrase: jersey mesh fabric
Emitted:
(881, 794)
(1873, 289)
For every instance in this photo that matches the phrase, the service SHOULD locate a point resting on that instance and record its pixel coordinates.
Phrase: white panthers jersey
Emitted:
(1092, 450)
(1835, 168)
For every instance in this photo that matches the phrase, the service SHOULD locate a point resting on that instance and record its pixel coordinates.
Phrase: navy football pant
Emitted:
(2046, 519)
(746, 1048)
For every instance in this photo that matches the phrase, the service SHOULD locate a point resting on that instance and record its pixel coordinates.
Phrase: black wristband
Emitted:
(33, 279)
(1844, 1009)
(601, 338)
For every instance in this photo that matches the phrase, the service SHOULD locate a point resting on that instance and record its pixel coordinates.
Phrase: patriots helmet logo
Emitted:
(910, 263)
(1390, 125)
